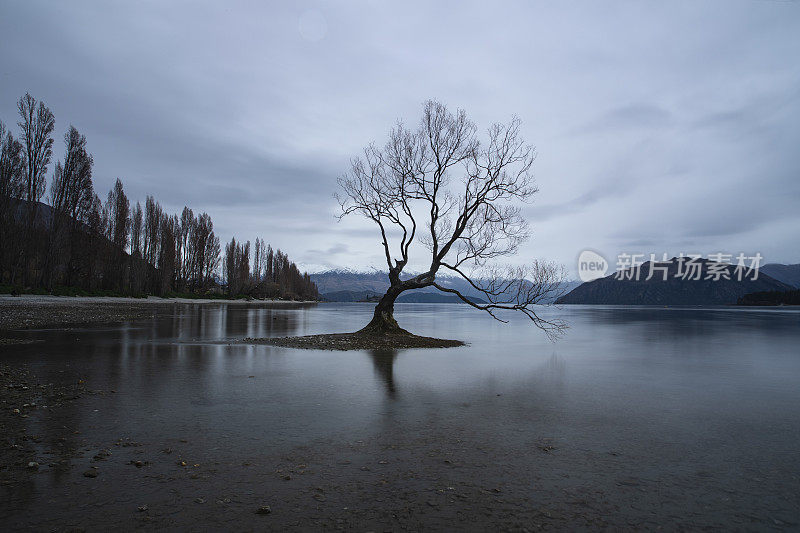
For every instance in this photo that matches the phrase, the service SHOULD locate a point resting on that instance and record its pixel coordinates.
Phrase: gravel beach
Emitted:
(33, 312)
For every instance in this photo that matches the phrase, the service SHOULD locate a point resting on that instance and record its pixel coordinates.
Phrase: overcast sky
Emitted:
(660, 126)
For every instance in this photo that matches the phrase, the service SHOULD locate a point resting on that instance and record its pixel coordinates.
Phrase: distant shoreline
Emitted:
(46, 299)
(43, 312)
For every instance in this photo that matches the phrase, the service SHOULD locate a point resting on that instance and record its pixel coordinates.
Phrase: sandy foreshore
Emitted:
(31, 312)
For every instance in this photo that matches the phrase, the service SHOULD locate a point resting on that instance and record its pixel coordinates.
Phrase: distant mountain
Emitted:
(415, 296)
(332, 281)
(350, 296)
(788, 274)
(419, 297)
(673, 291)
(337, 285)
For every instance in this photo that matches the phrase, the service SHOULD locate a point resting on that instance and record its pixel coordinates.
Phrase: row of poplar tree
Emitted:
(77, 240)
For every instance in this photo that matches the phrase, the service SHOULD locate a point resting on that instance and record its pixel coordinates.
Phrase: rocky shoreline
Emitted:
(35, 315)
(355, 341)
(38, 312)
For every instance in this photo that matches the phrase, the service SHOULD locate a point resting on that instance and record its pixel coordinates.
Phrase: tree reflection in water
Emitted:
(383, 364)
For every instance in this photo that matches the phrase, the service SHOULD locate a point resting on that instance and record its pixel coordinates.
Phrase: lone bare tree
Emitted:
(456, 195)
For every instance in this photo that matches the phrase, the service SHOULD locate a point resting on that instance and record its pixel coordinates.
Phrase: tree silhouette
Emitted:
(440, 185)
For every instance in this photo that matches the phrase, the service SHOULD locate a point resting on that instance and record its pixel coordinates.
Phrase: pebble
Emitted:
(264, 509)
(101, 455)
(33, 465)
(90, 473)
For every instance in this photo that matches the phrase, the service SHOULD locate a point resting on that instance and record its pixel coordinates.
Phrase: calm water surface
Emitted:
(652, 413)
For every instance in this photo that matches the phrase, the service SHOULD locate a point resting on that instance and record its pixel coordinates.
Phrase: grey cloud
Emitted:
(336, 249)
(636, 116)
(650, 131)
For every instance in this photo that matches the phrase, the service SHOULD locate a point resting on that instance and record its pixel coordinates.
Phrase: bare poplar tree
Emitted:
(269, 260)
(71, 195)
(167, 251)
(187, 224)
(244, 266)
(152, 222)
(11, 165)
(231, 270)
(136, 230)
(201, 241)
(37, 123)
(440, 185)
(257, 252)
(211, 257)
(137, 271)
(96, 222)
(11, 178)
(119, 216)
(71, 191)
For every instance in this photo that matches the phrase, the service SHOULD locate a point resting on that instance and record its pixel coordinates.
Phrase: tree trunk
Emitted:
(383, 321)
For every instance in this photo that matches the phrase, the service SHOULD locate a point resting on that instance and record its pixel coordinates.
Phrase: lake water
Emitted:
(636, 418)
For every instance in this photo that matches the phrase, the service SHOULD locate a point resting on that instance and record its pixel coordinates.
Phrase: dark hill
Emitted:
(771, 298)
(789, 274)
(675, 290)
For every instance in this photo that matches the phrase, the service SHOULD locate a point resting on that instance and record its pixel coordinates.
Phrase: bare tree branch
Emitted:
(465, 193)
